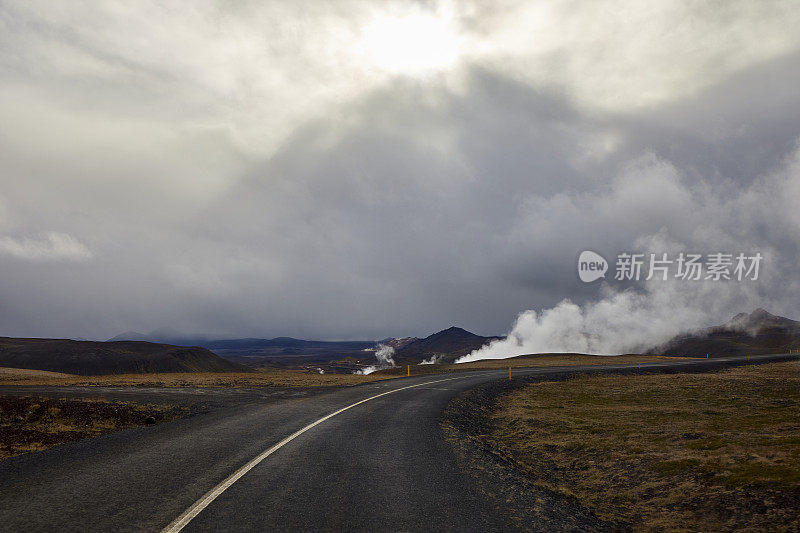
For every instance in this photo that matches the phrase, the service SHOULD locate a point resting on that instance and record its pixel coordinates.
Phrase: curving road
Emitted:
(379, 464)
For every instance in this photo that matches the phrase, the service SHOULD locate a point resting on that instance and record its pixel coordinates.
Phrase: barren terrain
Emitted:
(271, 378)
(34, 423)
(709, 452)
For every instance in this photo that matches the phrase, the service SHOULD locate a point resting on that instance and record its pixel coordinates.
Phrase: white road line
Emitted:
(187, 516)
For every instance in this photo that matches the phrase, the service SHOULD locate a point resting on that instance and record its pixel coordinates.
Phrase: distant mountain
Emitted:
(755, 333)
(759, 321)
(284, 352)
(283, 344)
(162, 336)
(120, 357)
(444, 347)
(130, 336)
(398, 343)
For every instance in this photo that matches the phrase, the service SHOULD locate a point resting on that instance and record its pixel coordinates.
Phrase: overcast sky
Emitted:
(364, 169)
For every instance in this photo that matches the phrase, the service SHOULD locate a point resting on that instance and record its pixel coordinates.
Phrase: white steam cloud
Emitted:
(385, 355)
(627, 321)
(645, 316)
(623, 322)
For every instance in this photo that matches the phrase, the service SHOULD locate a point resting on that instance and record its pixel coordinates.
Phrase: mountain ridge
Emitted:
(119, 357)
(755, 333)
(444, 346)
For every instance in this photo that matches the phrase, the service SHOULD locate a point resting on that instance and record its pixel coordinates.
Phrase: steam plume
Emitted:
(384, 353)
(646, 315)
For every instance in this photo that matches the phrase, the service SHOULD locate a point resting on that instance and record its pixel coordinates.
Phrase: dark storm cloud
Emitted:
(421, 227)
(226, 189)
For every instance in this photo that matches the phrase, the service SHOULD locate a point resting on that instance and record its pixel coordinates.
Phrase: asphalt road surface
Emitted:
(379, 463)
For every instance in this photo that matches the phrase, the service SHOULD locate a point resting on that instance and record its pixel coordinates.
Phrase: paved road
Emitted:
(380, 465)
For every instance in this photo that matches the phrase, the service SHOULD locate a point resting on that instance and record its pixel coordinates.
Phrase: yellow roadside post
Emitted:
(409, 370)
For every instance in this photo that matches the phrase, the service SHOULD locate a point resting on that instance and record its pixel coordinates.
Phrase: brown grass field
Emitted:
(299, 378)
(529, 361)
(25, 373)
(272, 378)
(679, 452)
